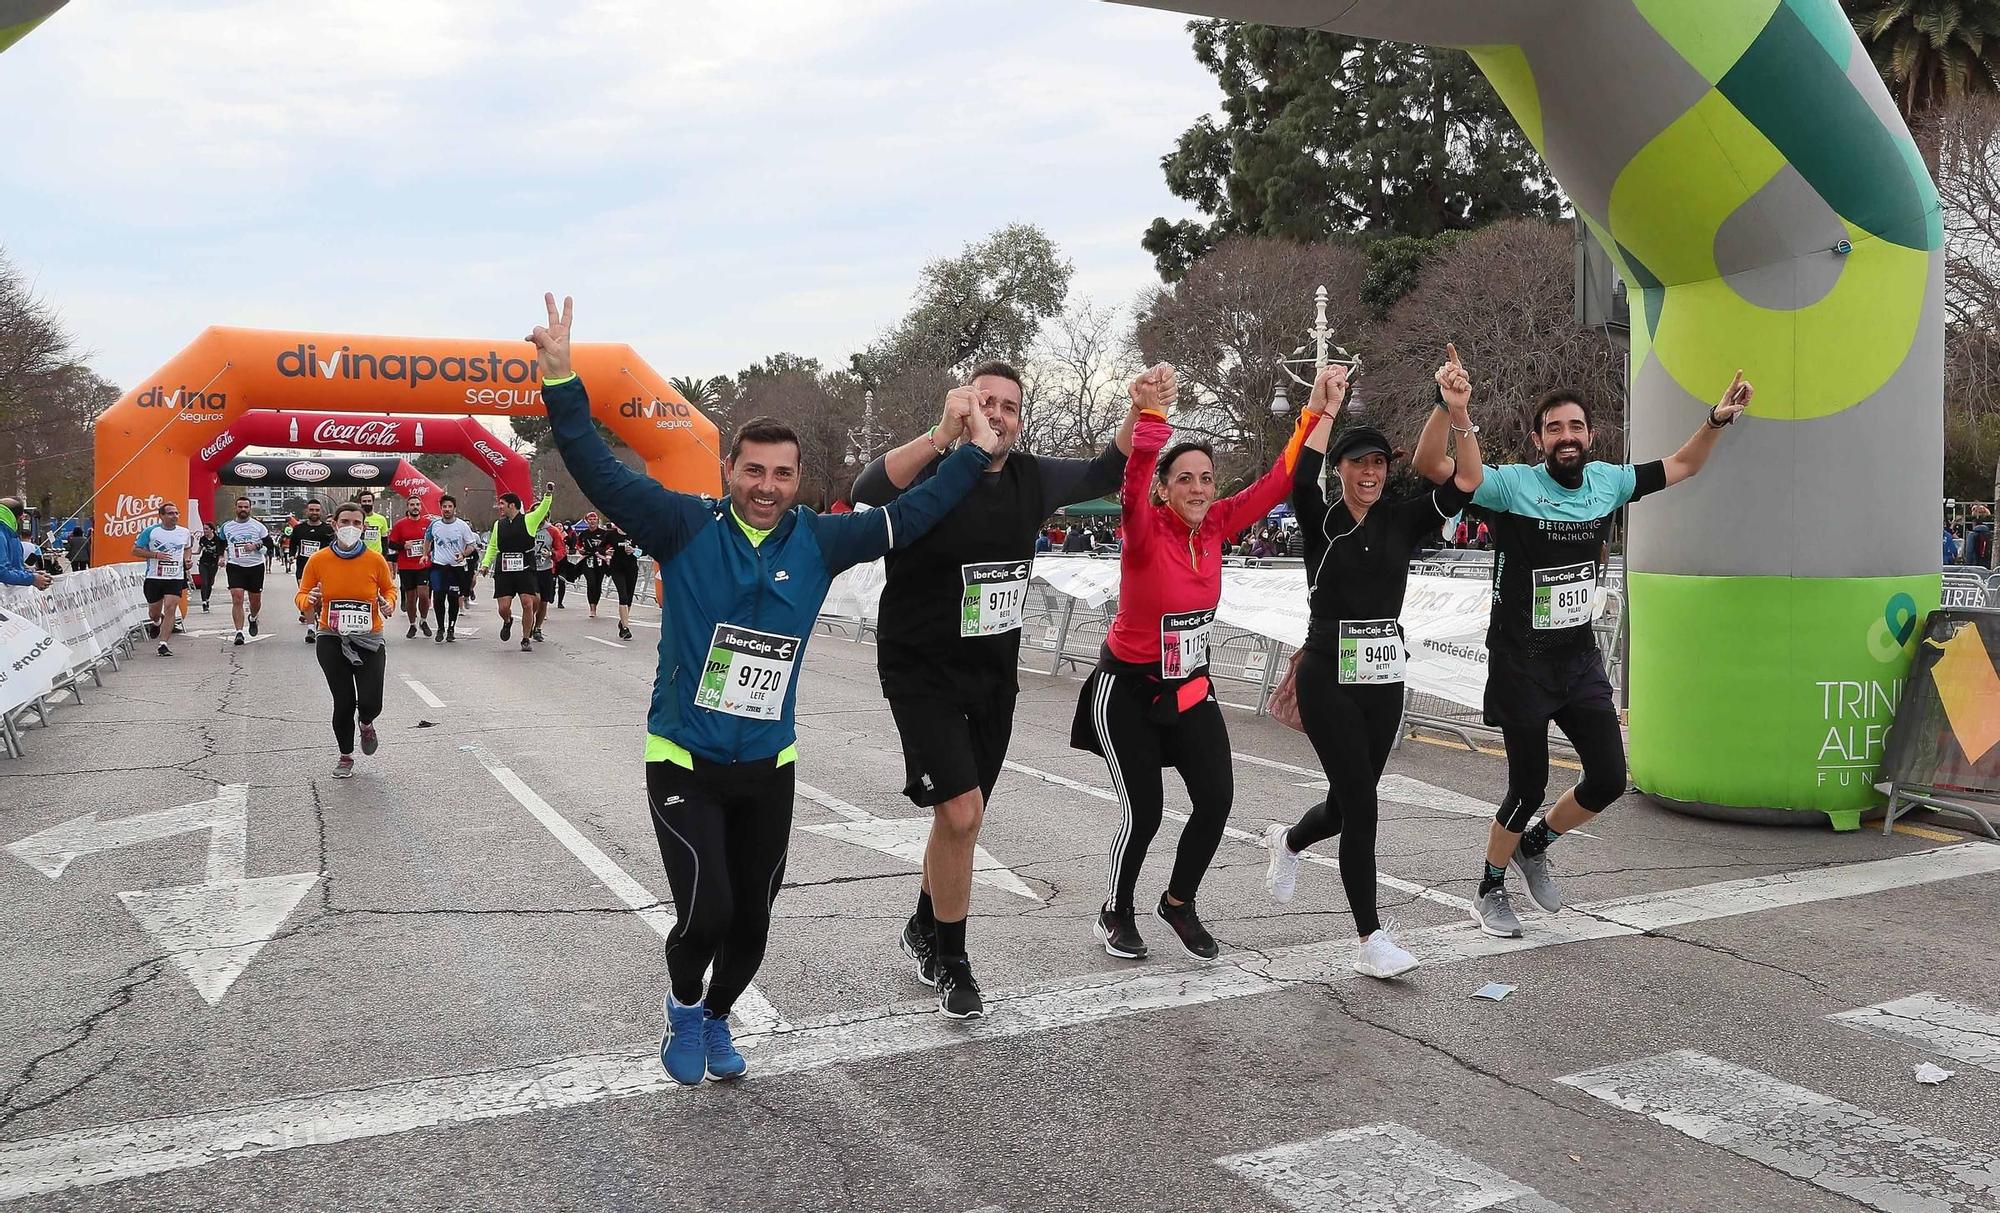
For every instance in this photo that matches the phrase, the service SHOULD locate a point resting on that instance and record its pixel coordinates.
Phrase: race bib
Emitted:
(747, 672)
(1371, 652)
(996, 597)
(371, 534)
(168, 568)
(1563, 595)
(307, 547)
(246, 548)
(414, 549)
(351, 617)
(513, 562)
(1184, 642)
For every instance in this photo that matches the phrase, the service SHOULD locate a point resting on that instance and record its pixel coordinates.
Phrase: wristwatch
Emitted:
(1474, 429)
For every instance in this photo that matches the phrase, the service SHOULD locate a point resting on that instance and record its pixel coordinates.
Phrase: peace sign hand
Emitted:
(551, 341)
(1453, 382)
(1735, 401)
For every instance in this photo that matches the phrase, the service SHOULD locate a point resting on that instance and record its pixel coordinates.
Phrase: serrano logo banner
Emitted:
(308, 471)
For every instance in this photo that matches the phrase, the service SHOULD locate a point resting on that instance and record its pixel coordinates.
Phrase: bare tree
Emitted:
(1228, 322)
(1964, 139)
(1504, 295)
(1074, 381)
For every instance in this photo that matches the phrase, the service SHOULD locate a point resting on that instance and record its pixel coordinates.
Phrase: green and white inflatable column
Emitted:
(18, 17)
(1742, 162)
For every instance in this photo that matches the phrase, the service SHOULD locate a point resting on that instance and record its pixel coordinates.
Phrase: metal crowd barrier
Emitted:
(1970, 586)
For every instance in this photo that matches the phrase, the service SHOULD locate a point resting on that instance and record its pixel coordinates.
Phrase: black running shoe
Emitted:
(451, 633)
(153, 631)
(411, 634)
(438, 639)
(253, 625)
(165, 651)
(958, 991)
(624, 633)
(921, 946)
(506, 629)
(1187, 924)
(425, 624)
(527, 645)
(1120, 934)
(239, 638)
(536, 635)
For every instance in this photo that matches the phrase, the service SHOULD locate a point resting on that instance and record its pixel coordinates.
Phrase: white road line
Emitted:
(83, 1157)
(1653, 911)
(423, 692)
(1398, 789)
(904, 838)
(1382, 1168)
(612, 643)
(752, 1009)
(1846, 1150)
(1935, 1024)
(1424, 892)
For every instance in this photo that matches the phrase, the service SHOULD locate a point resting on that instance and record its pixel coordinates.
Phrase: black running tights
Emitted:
(1352, 729)
(1600, 748)
(357, 689)
(724, 831)
(1135, 749)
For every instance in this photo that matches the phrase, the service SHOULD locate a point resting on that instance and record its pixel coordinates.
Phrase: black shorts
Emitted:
(246, 577)
(160, 587)
(507, 585)
(545, 581)
(1523, 691)
(951, 748)
(413, 579)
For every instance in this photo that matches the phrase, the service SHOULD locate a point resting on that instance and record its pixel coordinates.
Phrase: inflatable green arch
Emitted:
(1743, 164)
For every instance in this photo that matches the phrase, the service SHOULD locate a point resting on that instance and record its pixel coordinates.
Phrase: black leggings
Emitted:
(724, 831)
(207, 581)
(593, 584)
(1135, 749)
(1352, 729)
(1593, 731)
(357, 689)
(625, 577)
(445, 581)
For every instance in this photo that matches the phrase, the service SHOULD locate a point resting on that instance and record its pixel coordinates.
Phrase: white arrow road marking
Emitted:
(1256, 840)
(752, 1009)
(423, 692)
(1398, 789)
(212, 930)
(1385, 1168)
(904, 838)
(80, 1158)
(1927, 1021)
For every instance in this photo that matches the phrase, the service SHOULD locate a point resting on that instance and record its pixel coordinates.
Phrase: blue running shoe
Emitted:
(724, 1062)
(682, 1048)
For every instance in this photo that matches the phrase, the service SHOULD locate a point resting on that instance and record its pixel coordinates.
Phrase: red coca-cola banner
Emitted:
(402, 435)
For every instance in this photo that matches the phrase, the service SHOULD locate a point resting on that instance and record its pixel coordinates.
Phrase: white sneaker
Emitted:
(1381, 956)
(1283, 874)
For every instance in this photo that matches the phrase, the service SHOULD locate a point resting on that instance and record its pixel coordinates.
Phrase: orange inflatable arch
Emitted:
(146, 441)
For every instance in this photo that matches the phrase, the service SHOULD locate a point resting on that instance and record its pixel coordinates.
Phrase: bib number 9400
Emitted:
(1371, 652)
(747, 672)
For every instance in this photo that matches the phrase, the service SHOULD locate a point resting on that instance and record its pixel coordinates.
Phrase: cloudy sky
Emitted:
(714, 180)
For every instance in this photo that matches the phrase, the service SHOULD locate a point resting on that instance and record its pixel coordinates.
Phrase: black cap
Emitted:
(1358, 440)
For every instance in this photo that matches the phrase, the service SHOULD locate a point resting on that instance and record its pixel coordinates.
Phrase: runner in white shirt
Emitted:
(244, 542)
(452, 543)
(165, 547)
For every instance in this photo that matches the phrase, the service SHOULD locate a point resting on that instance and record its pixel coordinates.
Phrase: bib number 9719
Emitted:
(995, 599)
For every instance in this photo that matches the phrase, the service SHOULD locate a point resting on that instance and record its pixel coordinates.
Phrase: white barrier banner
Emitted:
(87, 612)
(1444, 618)
(30, 660)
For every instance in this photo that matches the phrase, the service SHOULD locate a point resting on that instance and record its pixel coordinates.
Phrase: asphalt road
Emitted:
(456, 1002)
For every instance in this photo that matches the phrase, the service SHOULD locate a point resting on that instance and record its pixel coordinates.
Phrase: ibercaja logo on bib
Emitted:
(305, 361)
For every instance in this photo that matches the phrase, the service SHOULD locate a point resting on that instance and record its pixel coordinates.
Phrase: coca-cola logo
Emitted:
(308, 471)
(214, 449)
(250, 471)
(363, 471)
(488, 453)
(380, 434)
(129, 515)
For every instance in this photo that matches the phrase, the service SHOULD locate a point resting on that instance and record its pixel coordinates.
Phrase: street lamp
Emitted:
(1324, 353)
(868, 438)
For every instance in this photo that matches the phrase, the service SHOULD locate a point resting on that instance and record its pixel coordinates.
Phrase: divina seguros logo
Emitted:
(183, 397)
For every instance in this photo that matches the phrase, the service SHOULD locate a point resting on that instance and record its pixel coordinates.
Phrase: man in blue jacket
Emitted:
(13, 567)
(744, 579)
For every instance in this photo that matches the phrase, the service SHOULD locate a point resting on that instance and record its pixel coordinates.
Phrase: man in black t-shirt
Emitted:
(309, 537)
(949, 630)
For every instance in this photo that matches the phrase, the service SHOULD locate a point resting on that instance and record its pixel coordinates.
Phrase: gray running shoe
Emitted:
(1539, 880)
(1494, 912)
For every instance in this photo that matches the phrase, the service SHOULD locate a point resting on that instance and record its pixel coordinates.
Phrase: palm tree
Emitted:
(1931, 51)
(703, 394)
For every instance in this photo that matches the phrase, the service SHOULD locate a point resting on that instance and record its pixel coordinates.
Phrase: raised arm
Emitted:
(540, 514)
(881, 481)
(850, 539)
(1462, 464)
(1239, 510)
(659, 518)
(1153, 393)
(1695, 451)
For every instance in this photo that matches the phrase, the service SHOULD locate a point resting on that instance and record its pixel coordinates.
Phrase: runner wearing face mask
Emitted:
(1149, 704)
(349, 590)
(1349, 677)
